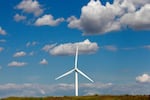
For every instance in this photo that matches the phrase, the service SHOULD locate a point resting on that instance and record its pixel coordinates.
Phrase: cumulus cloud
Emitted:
(85, 47)
(30, 6)
(43, 62)
(48, 20)
(145, 78)
(28, 89)
(18, 17)
(138, 20)
(16, 64)
(96, 18)
(19, 54)
(2, 31)
(1, 49)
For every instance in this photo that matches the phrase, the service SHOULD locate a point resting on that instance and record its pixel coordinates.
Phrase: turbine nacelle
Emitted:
(76, 69)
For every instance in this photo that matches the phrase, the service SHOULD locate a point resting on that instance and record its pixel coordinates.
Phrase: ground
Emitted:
(95, 97)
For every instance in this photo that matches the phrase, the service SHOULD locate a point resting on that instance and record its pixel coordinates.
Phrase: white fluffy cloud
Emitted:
(30, 6)
(18, 17)
(139, 19)
(145, 78)
(43, 62)
(19, 54)
(16, 64)
(96, 18)
(2, 31)
(48, 20)
(85, 47)
(1, 49)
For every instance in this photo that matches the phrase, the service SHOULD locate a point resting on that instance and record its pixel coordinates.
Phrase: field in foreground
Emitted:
(106, 97)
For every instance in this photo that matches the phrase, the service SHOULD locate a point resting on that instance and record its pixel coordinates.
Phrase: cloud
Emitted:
(85, 47)
(19, 54)
(31, 43)
(30, 6)
(18, 17)
(138, 20)
(43, 62)
(146, 47)
(129, 48)
(110, 48)
(117, 89)
(31, 53)
(115, 48)
(38, 90)
(48, 47)
(145, 78)
(2, 31)
(28, 89)
(48, 20)
(2, 40)
(96, 18)
(1, 49)
(16, 64)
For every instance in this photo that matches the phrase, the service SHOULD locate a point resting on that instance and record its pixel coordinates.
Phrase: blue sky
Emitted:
(38, 39)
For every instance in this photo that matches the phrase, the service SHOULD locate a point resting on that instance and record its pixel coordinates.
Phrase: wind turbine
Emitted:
(76, 70)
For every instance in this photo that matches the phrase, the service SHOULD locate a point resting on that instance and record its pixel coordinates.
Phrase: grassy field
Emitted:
(107, 97)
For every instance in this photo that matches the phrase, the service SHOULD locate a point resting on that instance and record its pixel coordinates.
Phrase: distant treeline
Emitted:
(95, 97)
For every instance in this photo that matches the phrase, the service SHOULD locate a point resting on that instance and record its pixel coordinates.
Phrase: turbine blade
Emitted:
(84, 75)
(65, 74)
(76, 58)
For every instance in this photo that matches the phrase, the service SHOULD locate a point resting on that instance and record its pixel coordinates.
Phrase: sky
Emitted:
(38, 39)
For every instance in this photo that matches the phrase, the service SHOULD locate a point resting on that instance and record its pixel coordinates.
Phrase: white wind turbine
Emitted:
(76, 70)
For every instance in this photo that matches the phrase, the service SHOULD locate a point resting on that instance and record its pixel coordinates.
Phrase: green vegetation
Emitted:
(95, 97)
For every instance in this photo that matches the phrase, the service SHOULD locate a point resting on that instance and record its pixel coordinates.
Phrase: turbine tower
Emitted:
(76, 70)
